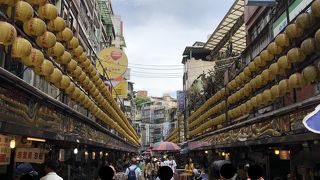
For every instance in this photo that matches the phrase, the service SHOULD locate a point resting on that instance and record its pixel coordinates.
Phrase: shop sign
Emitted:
(30, 155)
(5, 150)
(294, 9)
(284, 155)
(181, 101)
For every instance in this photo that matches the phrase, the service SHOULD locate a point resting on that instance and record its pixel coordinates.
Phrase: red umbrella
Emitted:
(167, 146)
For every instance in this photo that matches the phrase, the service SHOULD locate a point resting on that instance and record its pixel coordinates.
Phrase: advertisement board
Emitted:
(5, 150)
(181, 101)
(30, 155)
(121, 87)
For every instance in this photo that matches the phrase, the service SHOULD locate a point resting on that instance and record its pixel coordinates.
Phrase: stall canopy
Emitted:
(231, 29)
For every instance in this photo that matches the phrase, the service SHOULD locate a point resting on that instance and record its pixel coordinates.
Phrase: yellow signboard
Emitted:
(122, 89)
(114, 61)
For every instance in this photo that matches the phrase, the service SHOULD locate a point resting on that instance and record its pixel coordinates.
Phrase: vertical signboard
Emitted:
(181, 101)
(5, 150)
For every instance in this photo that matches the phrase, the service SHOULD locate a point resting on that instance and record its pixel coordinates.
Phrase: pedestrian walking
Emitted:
(120, 175)
(133, 172)
(171, 163)
(50, 168)
(189, 167)
(151, 169)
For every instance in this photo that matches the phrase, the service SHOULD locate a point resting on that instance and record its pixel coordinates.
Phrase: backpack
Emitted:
(132, 174)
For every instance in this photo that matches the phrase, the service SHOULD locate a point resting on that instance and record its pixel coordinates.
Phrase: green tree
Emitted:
(138, 101)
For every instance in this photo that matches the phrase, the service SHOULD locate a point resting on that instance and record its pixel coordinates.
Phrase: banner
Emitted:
(181, 101)
(121, 87)
(113, 61)
(30, 155)
(5, 150)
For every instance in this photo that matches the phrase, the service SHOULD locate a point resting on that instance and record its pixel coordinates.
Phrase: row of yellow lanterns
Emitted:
(210, 123)
(46, 39)
(173, 134)
(308, 46)
(215, 98)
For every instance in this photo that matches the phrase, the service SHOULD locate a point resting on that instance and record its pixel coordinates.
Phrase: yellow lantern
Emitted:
(258, 62)
(93, 72)
(72, 65)
(274, 69)
(82, 58)
(55, 76)
(85, 64)
(48, 11)
(56, 25)
(65, 35)
(260, 99)
(248, 88)
(252, 67)
(273, 48)
(46, 40)
(85, 82)
(35, 58)
(266, 56)
(65, 58)
(317, 36)
(23, 11)
(45, 69)
(315, 8)
(253, 102)
(34, 27)
(70, 89)
(282, 40)
(249, 106)
(242, 77)
(81, 97)
(267, 96)
(293, 31)
(76, 72)
(89, 69)
(82, 76)
(63, 83)
(73, 43)
(57, 50)
(295, 55)
(238, 80)
(308, 46)
(296, 81)
(37, 2)
(310, 74)
(283, 62)
(77, 51)
(8, 33)
(247, 71)
(258, 81)
(76, 93)
(275, 91)
(265, 76)
(253, 83)
(304, 21)
(284, 87)
(20, 48)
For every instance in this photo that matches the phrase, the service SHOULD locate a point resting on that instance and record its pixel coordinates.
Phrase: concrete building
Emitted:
(118, 41)
(142, 93)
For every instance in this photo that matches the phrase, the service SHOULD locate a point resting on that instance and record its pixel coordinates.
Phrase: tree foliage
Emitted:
(138, 101)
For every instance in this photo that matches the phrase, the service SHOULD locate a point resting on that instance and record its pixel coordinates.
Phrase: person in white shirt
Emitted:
(51, 168)
(134, 167)
(171, 163)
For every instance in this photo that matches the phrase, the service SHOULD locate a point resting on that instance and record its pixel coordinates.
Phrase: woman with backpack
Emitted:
(133, 172)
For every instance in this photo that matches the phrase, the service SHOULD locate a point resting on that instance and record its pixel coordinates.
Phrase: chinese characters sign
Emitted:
(5, 150)
(30, 155)
(181, 100)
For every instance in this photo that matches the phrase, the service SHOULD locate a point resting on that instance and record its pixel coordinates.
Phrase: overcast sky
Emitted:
(156, 33)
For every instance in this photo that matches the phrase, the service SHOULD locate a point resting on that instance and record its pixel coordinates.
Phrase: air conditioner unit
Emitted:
(260, 2)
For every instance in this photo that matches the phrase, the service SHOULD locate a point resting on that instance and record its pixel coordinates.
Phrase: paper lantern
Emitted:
(282, 40)
(57, 50)
(252, 67)
(81, 97)
(253, 102)
(72, 65)
(95, 78)
(274, 49)
(265, 76)
(310, 74)
(308, 46)
(284, 87)
(258, 62)
(275, 91)
(65, 35)
(56, 25)
(70, 89)
(63, 83)
(85, 82)
(317, 36)
(89, 69)
(44, 69)
(37, 2)
(266, 56)
(34, 27)
(65, 58)
(243, 77)
(249, 106)
(82, 58)
(248, 88)
(267, 96)
(90, 85)
(295, 55)
(55, 76)
(293, 31)
(258, 81)
(82, 76)
(260, 100)
(23, 11)
(77, 51)
(76, 72)
(73, 43)
(20, 48)
(8, 33)
(9, 2)
(46, 40)
(274, 69)
(93, 72)
(247, 71)
(296, 81)
(315, 8)
(253, 83)
(76, 93)
(238, 80)
(35, 58)
(48, 11)
(304, 21)
(283, 62)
